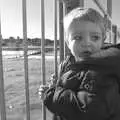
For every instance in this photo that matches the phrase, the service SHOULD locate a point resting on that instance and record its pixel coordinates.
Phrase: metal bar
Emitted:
(109, 11)
(55, 38)
(65, 11)
(61, 31)
(100, 6)
(2, 94)
(26, 59)
(114, 30)
(109, 7)
(81, 3)
(43, 53)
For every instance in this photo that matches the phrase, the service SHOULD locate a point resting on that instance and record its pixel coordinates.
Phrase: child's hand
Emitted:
(52, 81)
(85, 98)
(42, 90)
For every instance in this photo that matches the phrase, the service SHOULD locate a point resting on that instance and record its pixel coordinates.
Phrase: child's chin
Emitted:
(82, 57)
(85, 54)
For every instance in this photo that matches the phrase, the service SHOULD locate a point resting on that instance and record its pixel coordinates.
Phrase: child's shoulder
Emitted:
(64, 65)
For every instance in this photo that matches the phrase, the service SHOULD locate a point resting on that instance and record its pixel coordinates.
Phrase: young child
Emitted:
(88, 84)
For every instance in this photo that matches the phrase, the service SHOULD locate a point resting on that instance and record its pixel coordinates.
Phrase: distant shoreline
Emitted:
(31, 54)
(29, 48)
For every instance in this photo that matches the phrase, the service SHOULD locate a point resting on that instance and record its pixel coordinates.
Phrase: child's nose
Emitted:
(86, 41)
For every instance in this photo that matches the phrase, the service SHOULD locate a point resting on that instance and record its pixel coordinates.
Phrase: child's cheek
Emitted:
(74, 48)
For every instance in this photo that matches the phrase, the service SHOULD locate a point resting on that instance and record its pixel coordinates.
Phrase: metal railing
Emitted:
(25, 49)
(62, 49)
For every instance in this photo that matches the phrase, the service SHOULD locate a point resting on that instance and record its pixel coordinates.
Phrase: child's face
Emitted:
(84, 38)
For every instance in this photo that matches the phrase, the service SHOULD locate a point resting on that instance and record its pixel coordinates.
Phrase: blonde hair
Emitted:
(85, 14)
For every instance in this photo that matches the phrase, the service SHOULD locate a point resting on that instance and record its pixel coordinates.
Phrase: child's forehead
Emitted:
(83, 27)
(85, 33)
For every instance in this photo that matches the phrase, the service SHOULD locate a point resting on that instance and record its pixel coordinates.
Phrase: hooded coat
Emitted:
(97, 79)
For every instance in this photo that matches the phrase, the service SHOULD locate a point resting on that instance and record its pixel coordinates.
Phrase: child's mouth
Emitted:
(86, 53)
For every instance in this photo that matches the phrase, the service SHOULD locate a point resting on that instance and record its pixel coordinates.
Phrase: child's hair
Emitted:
(85, 14)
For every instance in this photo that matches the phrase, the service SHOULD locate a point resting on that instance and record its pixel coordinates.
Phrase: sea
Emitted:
(20, 54)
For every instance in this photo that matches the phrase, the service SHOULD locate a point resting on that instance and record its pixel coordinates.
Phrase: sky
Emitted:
(11, 17)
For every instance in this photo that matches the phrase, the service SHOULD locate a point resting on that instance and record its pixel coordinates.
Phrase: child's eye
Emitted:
(95, 38)
(77, 38)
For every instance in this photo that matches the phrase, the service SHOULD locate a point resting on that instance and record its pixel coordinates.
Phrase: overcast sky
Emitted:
(11, 17)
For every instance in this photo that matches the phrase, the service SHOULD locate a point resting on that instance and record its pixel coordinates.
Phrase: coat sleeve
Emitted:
(63, 102)
(106, 61)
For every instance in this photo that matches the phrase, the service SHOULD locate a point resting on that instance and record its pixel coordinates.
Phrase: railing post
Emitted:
(114, 30)
(2, 93)
(81, 3)
(61, 31)
(26, 59)
(109, 7)
(109, 11)
(43, 53)
(55, 38)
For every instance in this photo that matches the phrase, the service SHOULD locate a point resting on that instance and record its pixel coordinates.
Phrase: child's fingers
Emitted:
(41, 91)
(41, 95)
(91, 94)
(41, 88)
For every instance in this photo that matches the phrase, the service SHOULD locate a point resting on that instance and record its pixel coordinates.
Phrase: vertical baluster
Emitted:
(61, 31)
(109, 11)
(26, 59)
(2, 95)
(55, 37)
(43, 53)
(81, 3)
